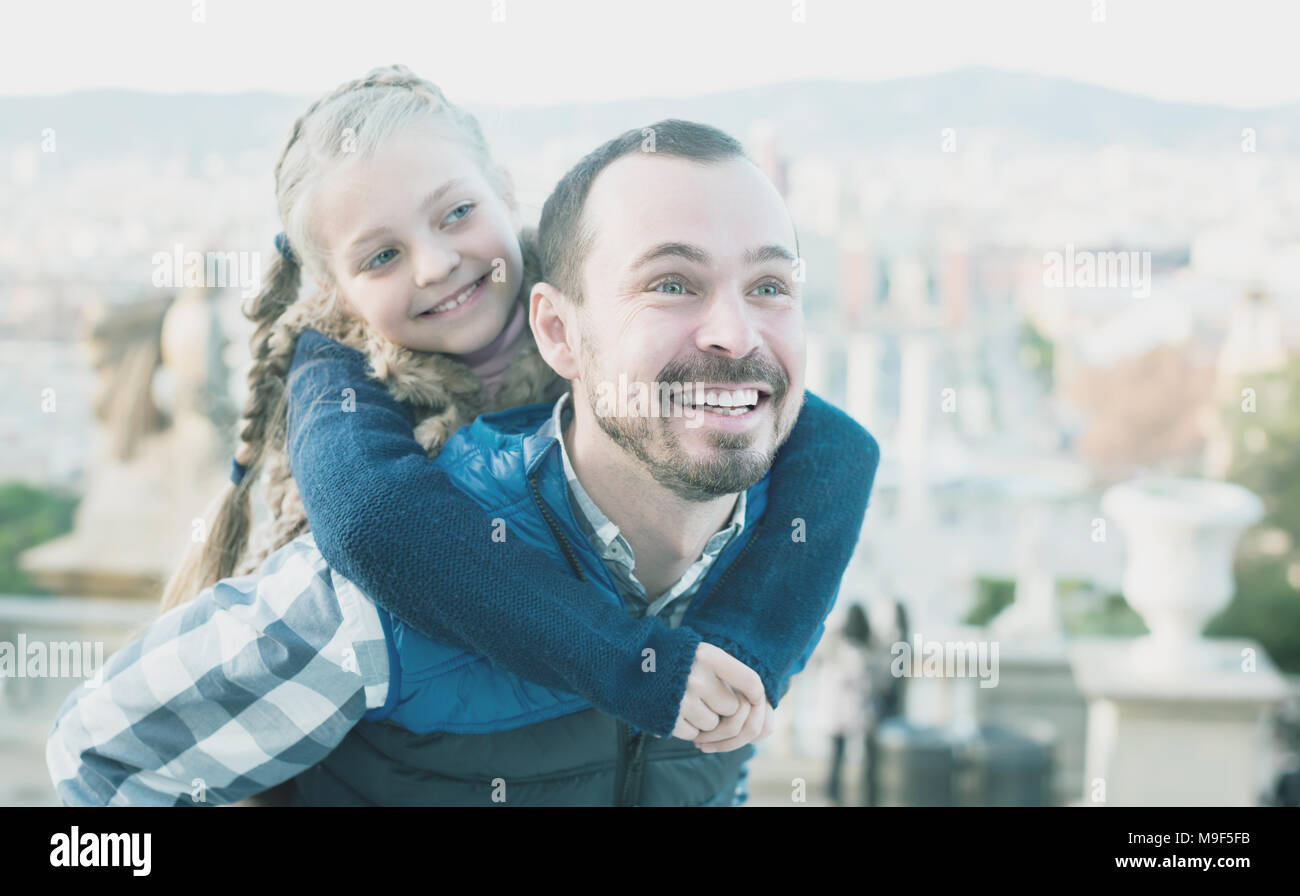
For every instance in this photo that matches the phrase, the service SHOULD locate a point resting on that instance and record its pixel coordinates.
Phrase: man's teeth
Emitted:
(458, 299)
(733, 403)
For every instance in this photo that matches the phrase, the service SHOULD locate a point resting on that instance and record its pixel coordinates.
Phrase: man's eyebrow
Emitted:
(429, 202)
(699, 256)
(677, 250)
(769, 253)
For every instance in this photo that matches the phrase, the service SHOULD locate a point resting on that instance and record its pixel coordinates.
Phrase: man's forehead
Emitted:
(650, 199)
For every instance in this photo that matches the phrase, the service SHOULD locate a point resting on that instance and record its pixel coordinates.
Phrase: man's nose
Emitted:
(434, 261)
(727, 327)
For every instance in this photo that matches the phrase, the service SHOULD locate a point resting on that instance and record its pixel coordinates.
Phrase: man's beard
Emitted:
(734, 465)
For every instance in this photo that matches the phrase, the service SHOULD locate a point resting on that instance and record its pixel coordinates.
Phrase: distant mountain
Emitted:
(832, 116)
(839, 117)
(101, 125)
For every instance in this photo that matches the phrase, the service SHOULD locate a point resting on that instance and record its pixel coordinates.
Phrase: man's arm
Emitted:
(248, 685)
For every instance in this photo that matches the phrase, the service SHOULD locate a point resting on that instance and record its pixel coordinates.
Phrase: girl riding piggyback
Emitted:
(348, 190)
(394, 313)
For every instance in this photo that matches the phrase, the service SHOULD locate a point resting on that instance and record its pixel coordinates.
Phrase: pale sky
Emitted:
(552, 51)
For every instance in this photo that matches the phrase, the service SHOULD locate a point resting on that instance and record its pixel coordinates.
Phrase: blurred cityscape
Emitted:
(1029, 290)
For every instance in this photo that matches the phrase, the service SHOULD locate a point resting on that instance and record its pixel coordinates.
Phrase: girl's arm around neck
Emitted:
(397, 526)
(769, 609)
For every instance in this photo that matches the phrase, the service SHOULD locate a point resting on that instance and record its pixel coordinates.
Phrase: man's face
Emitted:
(689, 280)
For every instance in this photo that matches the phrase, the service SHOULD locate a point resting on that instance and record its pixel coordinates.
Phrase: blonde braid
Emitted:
(262, 423)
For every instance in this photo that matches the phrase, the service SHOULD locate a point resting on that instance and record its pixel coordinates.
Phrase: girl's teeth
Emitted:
(459, 300)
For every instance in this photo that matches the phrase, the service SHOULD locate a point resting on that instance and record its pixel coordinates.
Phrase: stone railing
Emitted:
(48, 645)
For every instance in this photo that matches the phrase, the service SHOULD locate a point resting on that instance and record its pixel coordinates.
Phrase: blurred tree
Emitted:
(1264, 423)
(28, 517)
(992, 596)
(1141, 410)
(1037, 354)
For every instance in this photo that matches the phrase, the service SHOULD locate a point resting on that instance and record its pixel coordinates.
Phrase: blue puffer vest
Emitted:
(458, 730)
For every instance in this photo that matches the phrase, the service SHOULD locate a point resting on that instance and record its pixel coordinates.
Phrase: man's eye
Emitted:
(459, 212)
(680, 287)
(777, 288)
(380, 259)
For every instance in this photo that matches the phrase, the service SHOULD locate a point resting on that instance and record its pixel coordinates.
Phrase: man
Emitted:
(695, 291)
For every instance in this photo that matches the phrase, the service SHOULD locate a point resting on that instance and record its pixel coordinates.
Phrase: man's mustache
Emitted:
(713, 370)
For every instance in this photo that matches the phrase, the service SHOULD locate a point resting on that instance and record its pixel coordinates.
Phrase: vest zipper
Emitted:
(620, 772)
(565, 547)
(632, 766)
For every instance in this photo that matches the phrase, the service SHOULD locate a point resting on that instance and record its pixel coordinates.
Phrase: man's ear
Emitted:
(550, 314)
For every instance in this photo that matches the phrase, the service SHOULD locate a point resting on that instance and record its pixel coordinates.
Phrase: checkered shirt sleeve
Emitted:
(248, 685)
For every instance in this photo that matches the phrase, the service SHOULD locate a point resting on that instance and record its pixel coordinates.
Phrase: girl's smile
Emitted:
(458, 302)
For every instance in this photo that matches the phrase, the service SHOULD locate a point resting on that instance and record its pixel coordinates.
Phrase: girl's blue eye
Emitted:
(371, 264)
(452, 218)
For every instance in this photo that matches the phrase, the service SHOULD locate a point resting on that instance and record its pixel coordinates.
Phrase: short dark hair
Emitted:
(562, 236)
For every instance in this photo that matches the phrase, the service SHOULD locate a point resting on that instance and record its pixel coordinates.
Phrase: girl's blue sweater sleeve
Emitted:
(394, 524)
(768, 610)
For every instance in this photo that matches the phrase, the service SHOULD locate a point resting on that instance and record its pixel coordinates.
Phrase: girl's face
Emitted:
(420, 245)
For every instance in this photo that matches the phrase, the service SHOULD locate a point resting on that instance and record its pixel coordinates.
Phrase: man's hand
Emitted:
(725, 705)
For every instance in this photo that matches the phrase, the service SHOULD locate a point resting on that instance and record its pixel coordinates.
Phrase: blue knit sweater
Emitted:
(389, 520)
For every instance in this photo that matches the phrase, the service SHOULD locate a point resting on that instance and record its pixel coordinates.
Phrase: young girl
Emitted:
(390, 521)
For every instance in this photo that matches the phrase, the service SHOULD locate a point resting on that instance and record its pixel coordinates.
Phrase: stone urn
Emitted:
(1180, 536)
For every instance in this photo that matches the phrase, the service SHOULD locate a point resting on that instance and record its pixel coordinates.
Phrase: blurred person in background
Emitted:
(887, 620)
(848, 688)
